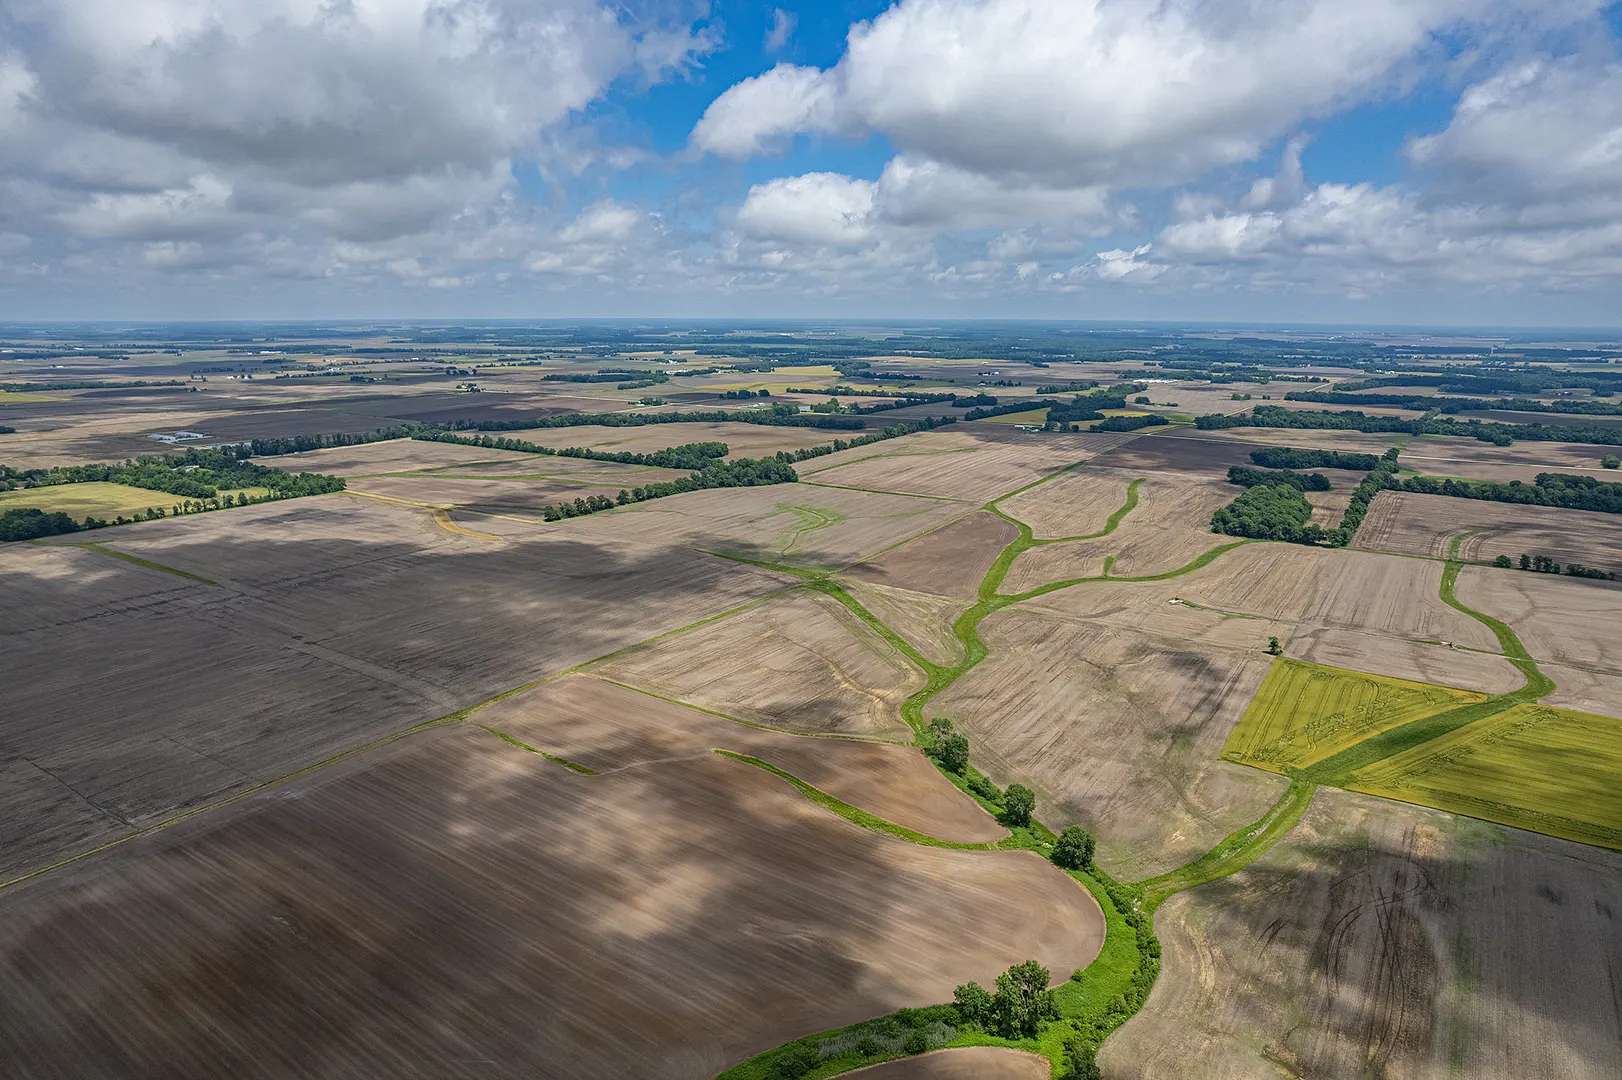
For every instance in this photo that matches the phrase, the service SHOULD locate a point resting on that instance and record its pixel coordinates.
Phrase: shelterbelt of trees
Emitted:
(1548, 489)
(1276, 509)
(1584, 407)
(1275, 416)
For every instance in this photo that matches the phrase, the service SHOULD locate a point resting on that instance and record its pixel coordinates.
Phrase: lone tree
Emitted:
(973, 1003)
(1074, 851)
(1611, 461)
(1019, 802)
(1502, 562)
(1274, 647)
(947, 746)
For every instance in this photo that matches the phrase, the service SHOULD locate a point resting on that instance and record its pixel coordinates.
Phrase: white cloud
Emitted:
(1083, 92)
(780, 30)
(815, 209)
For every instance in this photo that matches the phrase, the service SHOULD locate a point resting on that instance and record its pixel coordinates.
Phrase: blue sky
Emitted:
(1415, 161)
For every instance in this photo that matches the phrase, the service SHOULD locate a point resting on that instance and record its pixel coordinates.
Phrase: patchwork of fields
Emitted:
(407, 774)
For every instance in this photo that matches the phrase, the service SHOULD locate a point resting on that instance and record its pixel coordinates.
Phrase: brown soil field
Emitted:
(923, 619)
(1168, 528)
(950, 561)
(506, 489)
(1472, 460)
(609, 728)
(744, 440)
(1075, 504)
(963, 1063)
(335, 620)
(970, 462)
(1585, 689)
(457, 907)
(802, 661)
(1117, 730)
(1425, 524)
(1380, 939)
(1404, 658)
(790, 523)
(396, 455)
(1567, 620)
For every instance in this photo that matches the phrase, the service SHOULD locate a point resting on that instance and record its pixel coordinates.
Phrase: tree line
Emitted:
(1248, 477)
(1289, 457)
(1275, 416)
(1460, 404)
(194, 474)
(1548, 489)
(694, 455)
(1543, 564)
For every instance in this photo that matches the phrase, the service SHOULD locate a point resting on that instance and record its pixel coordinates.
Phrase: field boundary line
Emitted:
(101, 548)
(741, 721)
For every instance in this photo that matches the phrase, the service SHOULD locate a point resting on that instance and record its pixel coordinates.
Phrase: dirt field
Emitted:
(1559, 618)
(393, 456)
(965, 1063)
(923, 619)
(974, 464)
(379, 920)
(610, 728)
(1385, 940)
(1425, 524)
(792, 523)
(744, 440)
(802, 662)
(1114, 729)
(947, 562)
(334, 620)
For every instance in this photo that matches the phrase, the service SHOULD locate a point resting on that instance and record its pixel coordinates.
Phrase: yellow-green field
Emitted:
(24, 397)
(97, 499)
(1533, 767)
(1029, 416)
(1305, 712)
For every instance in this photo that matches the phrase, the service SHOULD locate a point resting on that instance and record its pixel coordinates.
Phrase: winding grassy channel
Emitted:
(1097, 1000)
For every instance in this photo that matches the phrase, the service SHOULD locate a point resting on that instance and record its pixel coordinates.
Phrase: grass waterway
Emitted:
(1096, 1001)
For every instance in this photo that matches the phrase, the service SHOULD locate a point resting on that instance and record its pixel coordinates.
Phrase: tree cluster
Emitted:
(1273, 511)
(1289, 457)
(1543, 564)
(1129, 423)
(1248, 477)
(1017, 1009)
(192, 474)
(745, 472)
(947, 746)
(1074, 849)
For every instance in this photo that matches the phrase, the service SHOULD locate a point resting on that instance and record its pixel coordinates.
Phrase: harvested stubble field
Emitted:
(1402, 521)
(1115, 729)
(975, 464)
(964, 1063)
(743, 440)
(924, 619)
(950, 561)
(392, 456)
(1437, 455)
(608, 728)
(514, 487)
(1304, 713)
(649, 905)
(791, 523)
(1566, 620)
(1379, 939)
(314, 625)
(802, 661)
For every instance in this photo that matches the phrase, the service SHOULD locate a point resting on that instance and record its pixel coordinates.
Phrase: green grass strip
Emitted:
(573, 766)
(1339, 769)
(853, 814)
(1236, 851)
(103, 549)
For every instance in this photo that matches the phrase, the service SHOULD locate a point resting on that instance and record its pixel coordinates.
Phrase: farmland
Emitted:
(406, 773)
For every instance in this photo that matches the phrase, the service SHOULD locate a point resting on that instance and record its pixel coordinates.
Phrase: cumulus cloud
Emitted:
(1087, 91)
(817, 209)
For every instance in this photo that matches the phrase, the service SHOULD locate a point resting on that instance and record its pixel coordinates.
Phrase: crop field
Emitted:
(802, 662)
(393, 456)
(513, 487)
(608, 727)
(975, 464)
(1538, 768)
(950, 561)
(1304, 713)
(95, 499)
(1119, 729)
(1380, 939)
(1029, 416)
(1401, 521)
(648, 904)
(1566, 620)
(744, 440)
